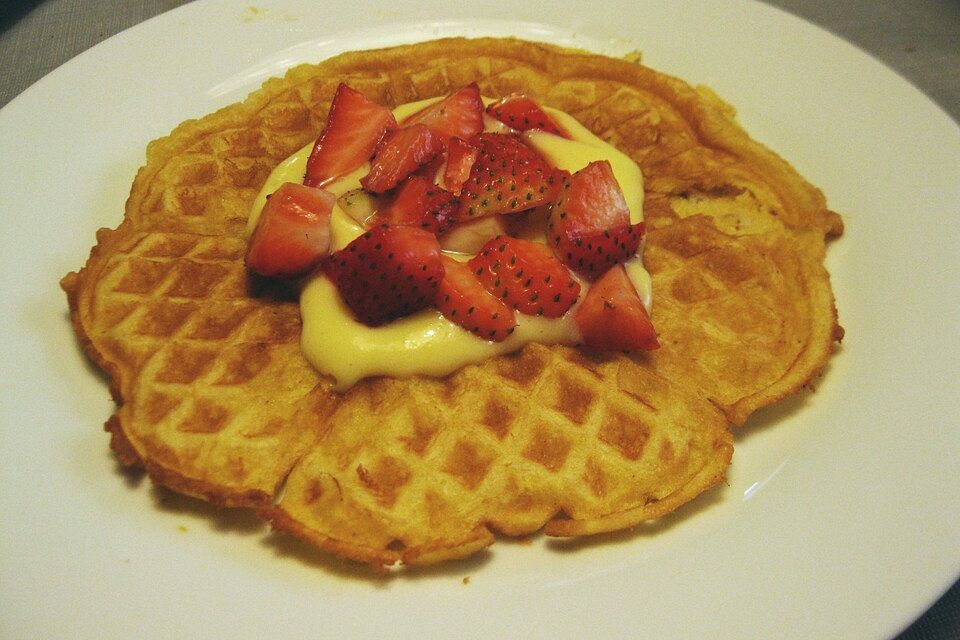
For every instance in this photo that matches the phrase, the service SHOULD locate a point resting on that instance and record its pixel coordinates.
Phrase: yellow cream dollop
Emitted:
(426, 343)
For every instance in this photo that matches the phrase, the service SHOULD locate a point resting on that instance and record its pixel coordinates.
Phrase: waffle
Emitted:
(215, 399)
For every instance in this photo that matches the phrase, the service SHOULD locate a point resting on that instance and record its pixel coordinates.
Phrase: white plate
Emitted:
(840, 519)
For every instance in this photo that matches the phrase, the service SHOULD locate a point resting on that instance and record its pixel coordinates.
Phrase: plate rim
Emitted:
(175, 15)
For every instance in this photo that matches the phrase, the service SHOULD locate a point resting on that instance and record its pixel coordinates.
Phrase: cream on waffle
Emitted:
(216, 400)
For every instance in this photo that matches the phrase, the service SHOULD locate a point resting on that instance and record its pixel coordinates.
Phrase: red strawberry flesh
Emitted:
(507, 176)
(589, 227)
(401, 152)
(460, 158)
(387, 273)
(522, 113)
(526, 276)
(612, 317)
(460, 114)
(463, 300)
(421, 203)
(292, 234)
(355, 125)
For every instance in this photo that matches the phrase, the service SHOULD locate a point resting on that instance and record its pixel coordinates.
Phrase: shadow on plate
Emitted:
(782, 410)
(661, 526)
(245, 522)
(287, 546)
(226, 520)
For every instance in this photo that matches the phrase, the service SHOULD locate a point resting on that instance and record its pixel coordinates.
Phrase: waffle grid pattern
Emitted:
(215, 399)
(536, 435)
(206, 357)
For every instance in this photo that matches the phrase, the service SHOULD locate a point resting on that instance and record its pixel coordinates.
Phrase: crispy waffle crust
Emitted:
(215, 399)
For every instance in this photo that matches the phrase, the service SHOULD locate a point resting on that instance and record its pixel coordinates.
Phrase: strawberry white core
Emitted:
(426, 343)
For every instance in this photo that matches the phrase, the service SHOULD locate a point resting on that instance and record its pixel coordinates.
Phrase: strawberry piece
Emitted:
(589, 227)
(387, 273)
(459, 114)
(355, 125)
(463, 300)
(460, 157)
(421, 203)
(526, 276)
(612, 317)
(431, 170)
(508, 176)
(292, 235)
(592, 254)
(521, 113)
(401, 152)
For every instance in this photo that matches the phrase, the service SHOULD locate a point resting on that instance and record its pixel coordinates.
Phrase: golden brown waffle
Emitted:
(421, 470)
(215, 399)
(196, 354)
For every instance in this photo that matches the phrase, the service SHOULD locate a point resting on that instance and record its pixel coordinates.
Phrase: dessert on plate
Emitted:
(216, 397)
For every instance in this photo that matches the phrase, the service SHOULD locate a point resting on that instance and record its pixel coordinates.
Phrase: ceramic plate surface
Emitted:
(840, 518)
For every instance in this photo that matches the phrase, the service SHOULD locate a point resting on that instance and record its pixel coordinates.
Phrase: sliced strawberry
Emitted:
(464, 301)
(387, 273)
(355, 125)
(460, 157)
(459, 114)
(612, 317)
(292, 234)
(421, 203)
(432, 170)
(526, 276)
(401, 152)
(521, 113)
(508, 176)
(589, 227)
(592, 254)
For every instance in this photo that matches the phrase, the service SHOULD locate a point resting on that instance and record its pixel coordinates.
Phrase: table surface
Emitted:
(920, 39)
